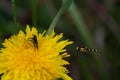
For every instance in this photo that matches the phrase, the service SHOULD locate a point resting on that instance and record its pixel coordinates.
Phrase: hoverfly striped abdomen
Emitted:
(86, 49)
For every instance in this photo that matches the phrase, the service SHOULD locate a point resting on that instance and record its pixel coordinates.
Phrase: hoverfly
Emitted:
(34, 40)
(86, 49)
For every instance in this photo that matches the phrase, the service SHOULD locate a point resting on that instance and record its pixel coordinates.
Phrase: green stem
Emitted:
(14, 13)
(65, 6)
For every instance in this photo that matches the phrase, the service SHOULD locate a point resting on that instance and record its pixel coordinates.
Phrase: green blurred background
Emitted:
(91, 23)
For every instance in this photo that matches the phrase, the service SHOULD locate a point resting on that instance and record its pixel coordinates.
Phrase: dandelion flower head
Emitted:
(22, 58)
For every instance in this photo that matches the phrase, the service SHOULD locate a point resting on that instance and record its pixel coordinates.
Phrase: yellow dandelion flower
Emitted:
(32, 56)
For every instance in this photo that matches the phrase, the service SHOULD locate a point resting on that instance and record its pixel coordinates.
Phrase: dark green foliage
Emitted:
(101, 19)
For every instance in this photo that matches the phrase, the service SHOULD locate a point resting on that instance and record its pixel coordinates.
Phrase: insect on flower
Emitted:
(22, 51)
(86, 49)
(34, 40)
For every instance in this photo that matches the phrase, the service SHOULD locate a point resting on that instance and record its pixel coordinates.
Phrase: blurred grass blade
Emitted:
(14, 13)
(80, 25)
(34, 12)
(65, 6)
